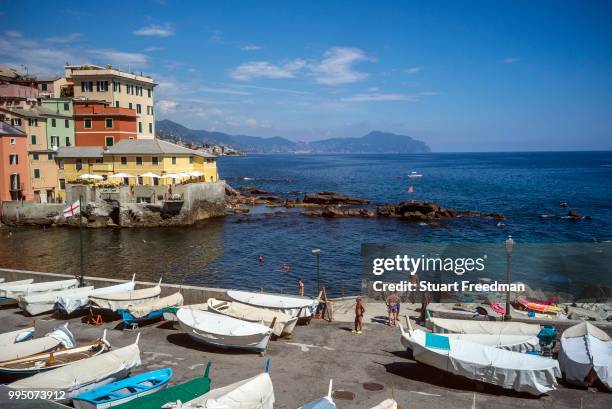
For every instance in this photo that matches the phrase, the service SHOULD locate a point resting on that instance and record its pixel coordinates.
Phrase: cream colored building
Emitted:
(120, 89)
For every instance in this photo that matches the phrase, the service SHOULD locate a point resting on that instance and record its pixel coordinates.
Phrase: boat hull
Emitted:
(255, 342)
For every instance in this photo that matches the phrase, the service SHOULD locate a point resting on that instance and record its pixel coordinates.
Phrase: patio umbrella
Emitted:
(122, 175)
(171, 176)
(196, 173)
(150, 175)
(184, 175)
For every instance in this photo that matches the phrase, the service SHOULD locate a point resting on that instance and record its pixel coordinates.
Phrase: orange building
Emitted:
(14, 175)
(96, 123)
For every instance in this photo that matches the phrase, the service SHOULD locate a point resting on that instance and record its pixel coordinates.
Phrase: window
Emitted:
(138, 109)
(139, 127)
(16, 122)
(33, 139)
(13, 159)
(87, 86)
(62, 184)
(155, 161)
(116, 104)
(55, 140)
(68, 141)
(50, 156)
(66, 123)
(190, 160)
(87, 123)
(99, 160)
(13, 141)
(79, 164)
(102, 86)
(174, 160)
(36, 173)
(124, 160)
(149, 93)
(53, 122)
(35, 156)
(32, 122)
(60, 164)
(150, 127)
(109, 122)
(140, 180)
(109, 141)
(116, 86)
(139, 160)
(130, 105)
(66, 106)
(43, 87)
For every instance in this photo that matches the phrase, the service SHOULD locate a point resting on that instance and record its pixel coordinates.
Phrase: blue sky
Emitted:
(461, 76)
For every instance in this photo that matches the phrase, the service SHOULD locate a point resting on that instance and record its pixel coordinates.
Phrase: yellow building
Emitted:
(118, 88)
(129, 160)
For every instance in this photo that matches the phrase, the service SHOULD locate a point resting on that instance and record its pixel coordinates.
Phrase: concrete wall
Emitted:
(191, 294)
(30, 212)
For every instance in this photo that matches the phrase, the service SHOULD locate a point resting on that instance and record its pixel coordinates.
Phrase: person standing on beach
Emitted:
(393, 307)
(359, 311)
(300, 286)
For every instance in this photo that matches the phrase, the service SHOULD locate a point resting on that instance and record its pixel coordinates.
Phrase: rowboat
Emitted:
(121, 301)
(123, 391)
(40, 303)
(294, 306)
(150, 310)
(585, 355)
(183, 392)
(84, 375)
(538, 306)
(510, 370)
(49, 361)
(170, 312)
(449, 326)
(326, 402)
(283, 326)
(14, 283)
(7, 339)
(253, 393)
(14, 291)
(386, 404)
(223, 331)
(414, 175)
(59, 336)
(69, 303)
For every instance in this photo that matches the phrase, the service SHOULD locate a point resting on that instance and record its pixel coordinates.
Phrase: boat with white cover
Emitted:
(69, 303)
(9, 338)
(14, 283)
(150, 310)
(449, 326)
(223, 331)
(40, 303)
(283, 326)
(326, 402)
(253, 393)
(510, 370)
(60, 336)
(14, 291)
(386, 404)
(123, 300)
(294, 306)
(84, 375)
(585, 355)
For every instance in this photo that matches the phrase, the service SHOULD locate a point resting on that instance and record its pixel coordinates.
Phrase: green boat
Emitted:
(183, 392)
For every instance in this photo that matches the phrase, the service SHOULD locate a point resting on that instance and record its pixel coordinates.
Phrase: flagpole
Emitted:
(81, 237)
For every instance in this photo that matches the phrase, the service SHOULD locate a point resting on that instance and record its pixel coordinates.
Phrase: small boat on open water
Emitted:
(294, 306)
(414, 175)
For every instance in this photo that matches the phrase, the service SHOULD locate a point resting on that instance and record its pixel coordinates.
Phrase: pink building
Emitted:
(16, 85)
(14, 174)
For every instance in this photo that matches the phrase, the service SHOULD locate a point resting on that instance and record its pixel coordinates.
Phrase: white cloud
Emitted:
(152, 49)
(271, 89)
(65, 39)
(265, 69)
(13, 33)
(510, 60)
(377, 97)
(166, 106)
(155, 31)
(413, 70)
(337, 66)
(251, 48)
(122, 58)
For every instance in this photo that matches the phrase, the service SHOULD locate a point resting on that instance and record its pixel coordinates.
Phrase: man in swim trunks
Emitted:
(359, 311)
(393, 307)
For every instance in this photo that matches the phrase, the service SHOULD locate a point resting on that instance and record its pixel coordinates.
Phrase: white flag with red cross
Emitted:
(73, 210)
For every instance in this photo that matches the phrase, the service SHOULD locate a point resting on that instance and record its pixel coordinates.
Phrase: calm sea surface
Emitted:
(223, 252)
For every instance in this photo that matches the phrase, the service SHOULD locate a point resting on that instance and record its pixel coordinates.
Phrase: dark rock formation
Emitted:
(332, 198)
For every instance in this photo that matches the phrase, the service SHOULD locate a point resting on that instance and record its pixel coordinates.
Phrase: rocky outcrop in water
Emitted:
(333, 198)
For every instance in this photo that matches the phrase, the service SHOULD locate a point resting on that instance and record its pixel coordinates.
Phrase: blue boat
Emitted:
(123, 391)
(130, 320)
(326, 402)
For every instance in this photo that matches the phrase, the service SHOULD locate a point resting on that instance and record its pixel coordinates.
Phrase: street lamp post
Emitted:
(509, 246)
(317, 252)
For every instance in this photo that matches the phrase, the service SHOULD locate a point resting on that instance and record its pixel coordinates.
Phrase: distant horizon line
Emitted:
(427, 153)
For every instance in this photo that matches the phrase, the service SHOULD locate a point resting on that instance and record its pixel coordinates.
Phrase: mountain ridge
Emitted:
(373, 142)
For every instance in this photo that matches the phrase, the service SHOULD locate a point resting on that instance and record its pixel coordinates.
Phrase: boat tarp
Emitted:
(253, 393)
(290, 305)
(60, 335)
(251, 313)
(14, 291)
(18, 282)
(72, 302)
(584, 347)
(141, 310)
(446, 325)
(9, 338)
(511, 370)
(84, 371)
(183, 392)
(386, 404)
(121, 301)
(517, 343)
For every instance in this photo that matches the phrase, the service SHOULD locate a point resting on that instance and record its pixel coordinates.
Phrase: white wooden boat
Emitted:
(7, 339)
(48, 361)
(283, 323)
(223, 331)
(386, 404)
(123, 300)
(449, 326)
(326, 402)
(69, 303)
(39, 303)
(253, 393)
(150, 310)
(14, 291)
(84, 375)
(510, 370)
(294, 306)
(585, 355)
(169, 313)
(14, 283)
(60, 336)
